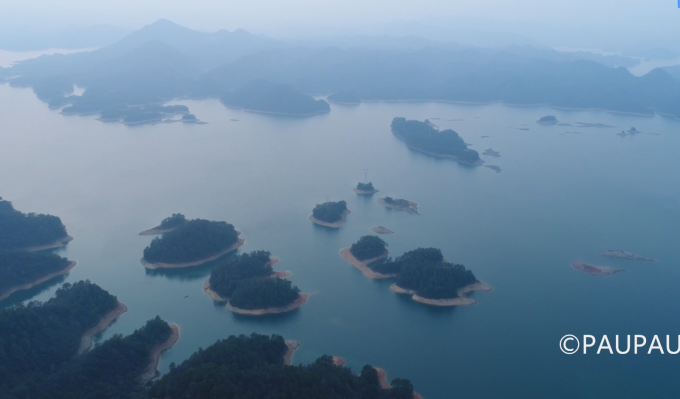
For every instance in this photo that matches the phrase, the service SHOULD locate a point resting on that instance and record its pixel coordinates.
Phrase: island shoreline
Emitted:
(8, 292)
(363, 265)
(57, 244)
(302, 298)
(87, 340)
(334, 225)
(157, 351)
(461, 300)
(162, 265)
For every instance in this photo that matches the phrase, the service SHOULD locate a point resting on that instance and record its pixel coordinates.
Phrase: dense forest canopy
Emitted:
(264, 293)
(245, 280)
(368, 247)
(425, 137)
(365, 186)
(330, 212)
(18, 267)
(225, 278)
(252, 367)
(39, 337)
(174, 221)
(110, 370)
(196, 239)
(21, 230)
(424, 271)
(397, 201)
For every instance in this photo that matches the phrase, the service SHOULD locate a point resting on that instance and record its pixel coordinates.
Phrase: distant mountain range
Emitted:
(165, 61)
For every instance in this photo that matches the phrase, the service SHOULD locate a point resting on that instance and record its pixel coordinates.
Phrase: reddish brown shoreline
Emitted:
(595, 270)
(363, 266)
(292, 347)
(39, 281)
(382, 380)
(104, 323)
(462, 299)
(218, 298)
(302, 298)
(161, 265)
(57, 244)
(156, 231)
(157, 351)
(334, 225)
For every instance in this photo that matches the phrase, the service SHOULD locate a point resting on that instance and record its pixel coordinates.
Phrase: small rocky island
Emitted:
(595, 270)
(424, 137)
(617, 253)
(365, 189)
(381, 230)
(249, 286)
(489, 152)
(167, 225)
(397, 204)
(330, 214)
(193, 243)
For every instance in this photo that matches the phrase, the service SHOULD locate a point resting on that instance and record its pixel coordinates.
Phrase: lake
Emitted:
(560, 197)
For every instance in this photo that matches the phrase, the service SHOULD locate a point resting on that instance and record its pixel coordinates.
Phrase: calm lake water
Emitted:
(561, 196)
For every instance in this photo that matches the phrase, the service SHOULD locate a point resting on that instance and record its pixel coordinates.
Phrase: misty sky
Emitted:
(260, 14)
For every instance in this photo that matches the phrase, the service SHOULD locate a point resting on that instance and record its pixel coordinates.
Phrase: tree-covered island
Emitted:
(31, 232)
(193, 243)
(365, 252)
(365, 188)
(549, 120)
(330, 214)
(266, 97)
(21, 270)
(424, 137)
(253, 367)
(249, 286)
(167, 225)
(398, 204)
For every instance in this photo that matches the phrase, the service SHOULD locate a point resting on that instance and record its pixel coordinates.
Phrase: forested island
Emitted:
(365, 189)
(31, 232)
(266, 97)
(21, 270)
(424, 137)
(365, 252)
(596, 270)
(193, 243)
(249, 286)
(330, 214)
(399, 204)
(549, 120)
(167, 225)
(253, 367)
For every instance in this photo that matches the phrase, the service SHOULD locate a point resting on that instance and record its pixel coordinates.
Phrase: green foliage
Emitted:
(263, 293)
(424, 271)
(20, 230)
(424, 137)
(368, 247)
(196, 239)
(225, 278)
(365, 186)
(18, 268)
(110, 370)
(330, 212)
(37, 338)
(176, 220)
(252, 367)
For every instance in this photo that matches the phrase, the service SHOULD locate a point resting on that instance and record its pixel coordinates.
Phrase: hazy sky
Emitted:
(259, 14)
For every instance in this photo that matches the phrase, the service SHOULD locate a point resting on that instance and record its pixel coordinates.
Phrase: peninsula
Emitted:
(238, 365)
(595, 270)
(330, 214)
(399, 204)
(424, 137)
(167, 225)
(365, 189)
(31, 232)
(21, 270)
(249, 286)
(88, 337)
(366, 252)
(194, 243)
(617, 253)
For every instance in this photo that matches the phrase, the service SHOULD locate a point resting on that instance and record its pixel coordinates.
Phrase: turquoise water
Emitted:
(560, 197)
